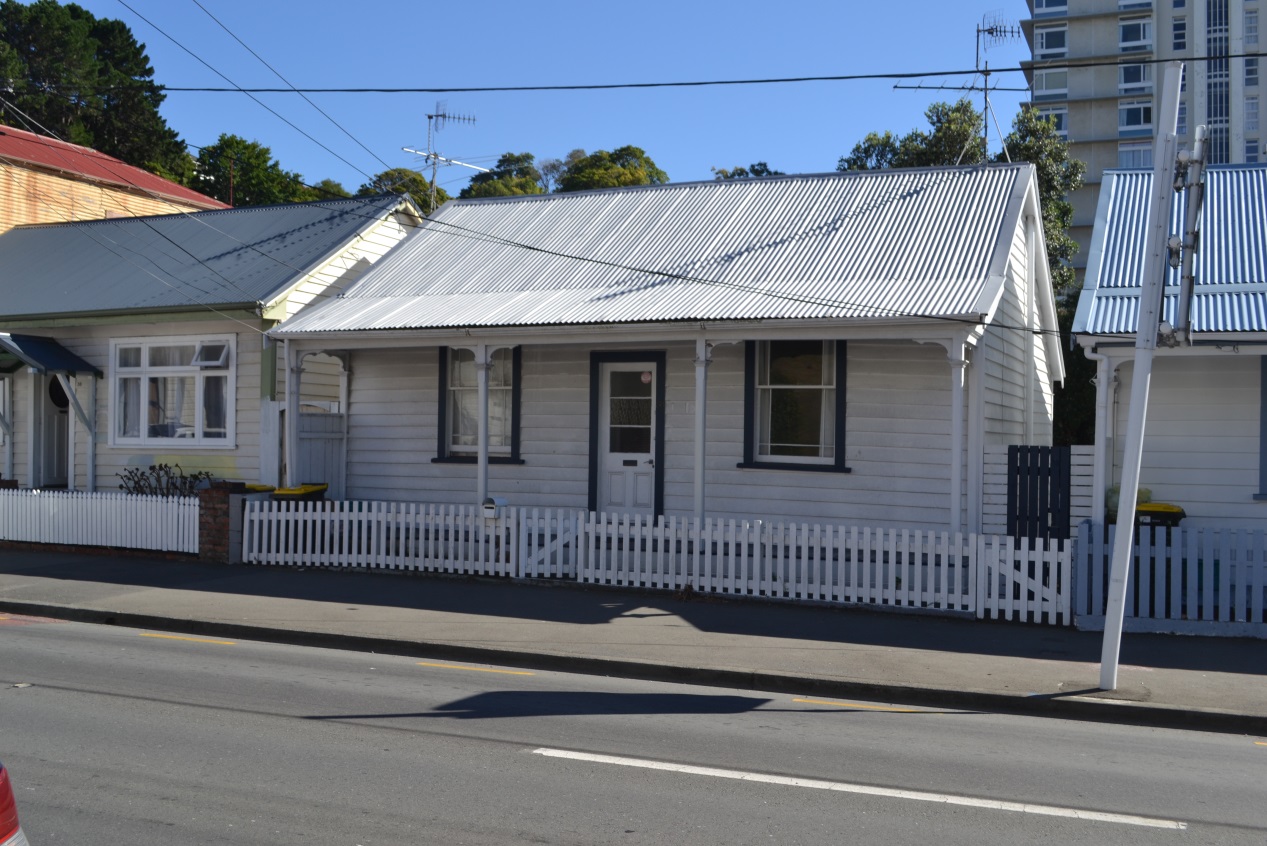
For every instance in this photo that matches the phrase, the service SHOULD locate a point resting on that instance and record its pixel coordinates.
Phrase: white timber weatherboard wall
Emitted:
(338, 272)
(1202, 438)
(897, 436)
(92, 343)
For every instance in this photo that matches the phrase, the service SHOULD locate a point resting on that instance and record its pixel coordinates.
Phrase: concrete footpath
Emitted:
(1213, 684)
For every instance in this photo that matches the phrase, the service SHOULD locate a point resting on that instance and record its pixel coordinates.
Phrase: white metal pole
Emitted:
(482, 365)
(92, 433)
(6, 422)
(702, 359)
(957, 367)
(289, 354)
(1100, 470)
(1150, 313)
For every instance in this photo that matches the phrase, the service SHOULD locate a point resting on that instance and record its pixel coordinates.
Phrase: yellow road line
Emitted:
(859, 706)
(192, 639)
(476, 669)
(1260, 743)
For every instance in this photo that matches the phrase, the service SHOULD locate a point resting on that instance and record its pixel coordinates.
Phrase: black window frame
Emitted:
(443, 447)
(750, 459)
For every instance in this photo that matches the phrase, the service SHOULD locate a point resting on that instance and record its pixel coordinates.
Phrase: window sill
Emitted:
(788, 465)
(1260, 497)
(470, 459)
(173, 445)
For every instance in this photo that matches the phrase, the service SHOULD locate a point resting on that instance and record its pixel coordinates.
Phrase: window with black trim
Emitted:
(795, 405)
(459, 405)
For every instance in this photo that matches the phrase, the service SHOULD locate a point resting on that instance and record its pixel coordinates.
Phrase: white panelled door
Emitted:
(627, 437)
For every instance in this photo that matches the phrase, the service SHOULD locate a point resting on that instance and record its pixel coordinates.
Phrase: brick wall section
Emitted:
(213, 520)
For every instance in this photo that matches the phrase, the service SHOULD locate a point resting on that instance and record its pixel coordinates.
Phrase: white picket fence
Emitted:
(1193, 581)
(113, 519)
(899, 568)
(519, 543)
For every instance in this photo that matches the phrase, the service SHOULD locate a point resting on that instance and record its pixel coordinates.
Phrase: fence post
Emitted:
(213, 520)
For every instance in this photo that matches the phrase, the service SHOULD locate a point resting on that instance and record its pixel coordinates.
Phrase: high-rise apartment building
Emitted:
(1095, 68)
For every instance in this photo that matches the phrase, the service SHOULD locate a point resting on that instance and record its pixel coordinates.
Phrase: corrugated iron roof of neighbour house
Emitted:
(211, 258)
(17, 145)
(879, 244)
(1230, 293)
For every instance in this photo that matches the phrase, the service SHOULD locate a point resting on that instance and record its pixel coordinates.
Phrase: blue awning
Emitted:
(43, 354)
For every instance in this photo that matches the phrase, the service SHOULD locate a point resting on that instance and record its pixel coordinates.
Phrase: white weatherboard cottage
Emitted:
(130, 342)
(832, 348)
(1204, 440)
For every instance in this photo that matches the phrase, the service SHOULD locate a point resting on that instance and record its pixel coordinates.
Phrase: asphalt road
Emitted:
(117, 735)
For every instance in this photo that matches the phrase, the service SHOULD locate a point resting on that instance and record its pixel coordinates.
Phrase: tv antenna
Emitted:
(436, 122)
(991, 31)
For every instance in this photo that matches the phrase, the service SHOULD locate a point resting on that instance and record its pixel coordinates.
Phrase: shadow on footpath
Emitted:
(584, 605)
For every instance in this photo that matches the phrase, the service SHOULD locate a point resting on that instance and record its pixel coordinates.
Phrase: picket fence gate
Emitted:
(988, 576)
(112, 519)
(1188, 581)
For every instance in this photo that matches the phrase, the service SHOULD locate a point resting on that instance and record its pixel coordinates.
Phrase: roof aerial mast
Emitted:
(992, 30)
(436, 122)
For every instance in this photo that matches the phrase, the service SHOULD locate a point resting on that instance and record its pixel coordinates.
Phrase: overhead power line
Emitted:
(241, 90)
(851, 77)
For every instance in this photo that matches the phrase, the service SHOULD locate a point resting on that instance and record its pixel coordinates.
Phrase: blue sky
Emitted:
(796, 127)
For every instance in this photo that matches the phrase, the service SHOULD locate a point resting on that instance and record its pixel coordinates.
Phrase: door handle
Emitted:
(650, 461)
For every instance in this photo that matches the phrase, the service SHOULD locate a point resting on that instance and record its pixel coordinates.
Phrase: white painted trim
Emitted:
(958, 365)
(976, 443)
(637, 334)
(229, 442)
(703, 358)
(290, 449)
(6, 423)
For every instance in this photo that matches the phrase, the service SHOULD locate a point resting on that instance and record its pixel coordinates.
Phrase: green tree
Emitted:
(326, 189)
(1033, 139)
(244, 173)
(620, 168)
(403, 180)
(552, 170)
(86, 80)
(756, 170)
(953, 137)
(515, 174)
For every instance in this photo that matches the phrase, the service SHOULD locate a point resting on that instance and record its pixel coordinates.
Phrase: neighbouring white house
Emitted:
(829, 347)
(134, 341)
(1205, 444)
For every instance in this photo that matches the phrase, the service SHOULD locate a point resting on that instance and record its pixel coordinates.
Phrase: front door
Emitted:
(627, 436)
(55, 432)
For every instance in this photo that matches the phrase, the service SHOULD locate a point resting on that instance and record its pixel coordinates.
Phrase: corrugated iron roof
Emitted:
(1230, 293)
(20, 146)
(215, 258)
(899, 243)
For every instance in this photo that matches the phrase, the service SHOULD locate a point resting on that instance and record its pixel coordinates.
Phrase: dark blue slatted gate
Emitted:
(1038, 490)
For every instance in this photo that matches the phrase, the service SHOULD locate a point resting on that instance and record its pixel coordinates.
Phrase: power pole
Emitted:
(1152, 291)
